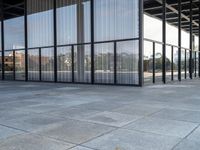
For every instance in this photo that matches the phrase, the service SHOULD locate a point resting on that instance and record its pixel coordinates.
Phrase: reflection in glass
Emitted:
(183, 64)
(104, 63)
(40, 23)
(33, 65)
(8, 65)
(168, 63)
(116, 19)
(187, 64)
(47, 64)
(158, 62)
(20, 65)
(175, 63)
(14, 33)
(148, 62)
(64, 64)
(82, 63)
(127, 62)
(73, 21)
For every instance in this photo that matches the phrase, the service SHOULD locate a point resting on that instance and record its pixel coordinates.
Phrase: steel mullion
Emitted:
(179, 38)
(153, 62)
(164, 41)
(72, 57)
(172, 64)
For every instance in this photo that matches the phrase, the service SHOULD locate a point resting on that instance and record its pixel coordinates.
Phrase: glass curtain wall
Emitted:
(14, 42)
(74, 27)
(114, 20)
(40, 34)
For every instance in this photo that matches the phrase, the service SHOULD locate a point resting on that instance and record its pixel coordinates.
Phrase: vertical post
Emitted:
(179, 38)
(2, 40)
(141, 44)
(195, 64)
(199, 45)
(40, 67)
(55, 39)
(92, 39)
(185, 64)
(191, 42)
(72, 63)
(164, 41)
(154, 62)
(172, 64)
(26, 39)
(115, 62)
(14, 65)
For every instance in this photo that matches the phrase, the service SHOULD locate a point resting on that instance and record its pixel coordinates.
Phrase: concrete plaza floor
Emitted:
(49, 116)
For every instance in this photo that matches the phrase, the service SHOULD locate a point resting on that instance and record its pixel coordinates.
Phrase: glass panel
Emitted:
(127, 62)
(197, 64)
(158, 62)
(73, 21)
(14, 33)
(64, 64)
(104, 63)
(20, 65)
(40, 23)
(8, 65)
(47, 64)
(82, 63)
(168, 63)
(183, 64)
(175, 65)
(116, 19)
(148, 62)
(187, 63)
(33, 65)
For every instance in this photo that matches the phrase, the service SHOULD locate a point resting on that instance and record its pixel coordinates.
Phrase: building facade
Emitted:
(95, 41)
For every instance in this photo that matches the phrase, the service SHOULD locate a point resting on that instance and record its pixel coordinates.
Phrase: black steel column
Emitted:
(191, 41)
(55, 39)
(26, 39)
(179, 38)
(172, 64)
(195, 64)
(141, 44)
(13, 65)
(115, 62)
(40, 65)
(2, 39)
(72, 63)
(199, 44)
(185, 64)
(154, 62)
(164, 41)
(92, 39)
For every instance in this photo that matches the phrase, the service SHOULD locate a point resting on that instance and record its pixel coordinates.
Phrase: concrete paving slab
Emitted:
(195, 135)
(33, 142)
(112, 118)
(188, 145)
(163, 126)
(80, 148)
(75, 131)
(132, 109)
(6, 132)
(182, 115)
(132, 140)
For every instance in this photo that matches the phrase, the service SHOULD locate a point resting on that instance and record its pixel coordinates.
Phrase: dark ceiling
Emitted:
(12, 8)
(154, 8)
(15, 8)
